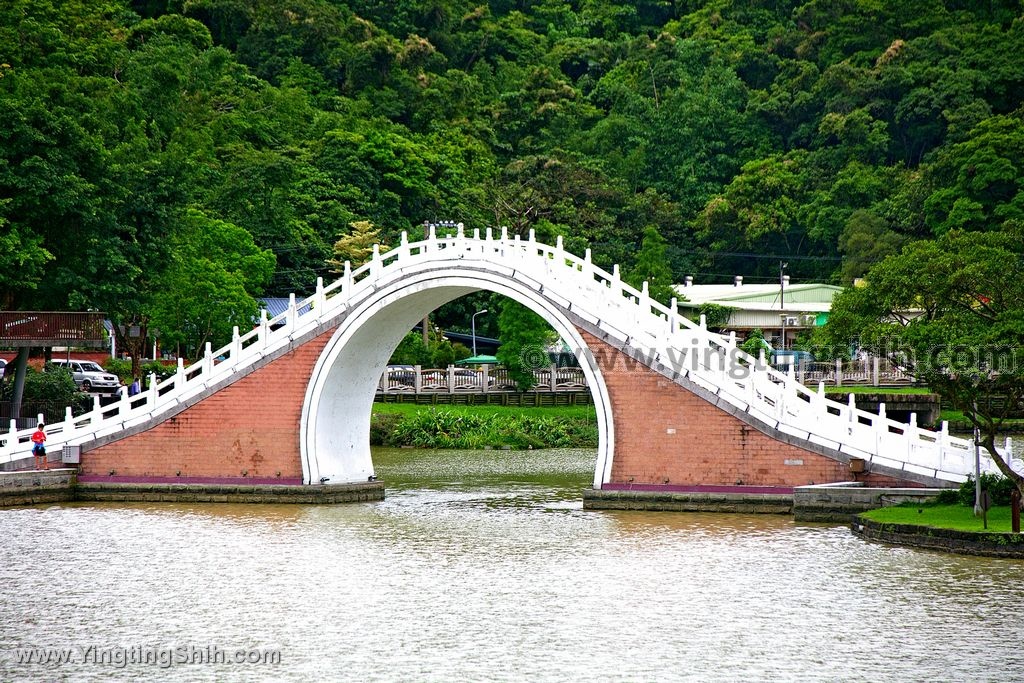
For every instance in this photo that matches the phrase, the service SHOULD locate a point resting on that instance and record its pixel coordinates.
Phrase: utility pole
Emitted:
(782, 301)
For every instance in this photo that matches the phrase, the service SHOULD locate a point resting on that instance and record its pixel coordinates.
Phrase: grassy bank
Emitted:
(456, 426)
(864, 389)
(958, 517)
(959, 423)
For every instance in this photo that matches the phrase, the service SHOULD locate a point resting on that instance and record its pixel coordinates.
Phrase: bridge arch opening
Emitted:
(336, 412)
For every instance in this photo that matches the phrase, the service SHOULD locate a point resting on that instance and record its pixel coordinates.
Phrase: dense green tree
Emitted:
(826, 132)
(209, 286)
(951, 310)
(525, 338)
(652, 267)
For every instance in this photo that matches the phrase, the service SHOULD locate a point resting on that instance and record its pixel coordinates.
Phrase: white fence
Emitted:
(453, 380)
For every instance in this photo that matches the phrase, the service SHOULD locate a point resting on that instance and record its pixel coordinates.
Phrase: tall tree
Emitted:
(951, 310)
(356, 247)
(651, 266)
(525, 338)
(209, 286)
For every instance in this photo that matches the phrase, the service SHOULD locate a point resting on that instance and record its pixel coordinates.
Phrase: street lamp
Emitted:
(472, 324)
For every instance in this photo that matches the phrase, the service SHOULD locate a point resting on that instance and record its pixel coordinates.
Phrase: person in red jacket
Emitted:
(39, 449)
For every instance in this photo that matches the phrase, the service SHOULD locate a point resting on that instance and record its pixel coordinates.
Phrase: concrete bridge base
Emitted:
(36, 487)
(839, 502)
(64, 485)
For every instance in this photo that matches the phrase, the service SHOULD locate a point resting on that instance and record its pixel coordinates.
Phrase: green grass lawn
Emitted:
(579, 412)
(958, 517)
(862, 389)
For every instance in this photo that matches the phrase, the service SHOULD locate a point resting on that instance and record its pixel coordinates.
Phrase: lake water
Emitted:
(483, 566)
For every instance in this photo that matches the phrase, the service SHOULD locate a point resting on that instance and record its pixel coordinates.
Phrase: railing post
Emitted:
(417, 380)
(643, 305)
(179, 378)
(874, 372)
(375, 264)
(153, 393)
(123, 404)
(553, 381)
(839, 372)
(942, 443)
(293, 312)
(264, 332)
(208, 360)
(320, 298)
(485, 375)
(346, 276)
(881, 427)
(69, 423)
(236, 345)
(451, 379)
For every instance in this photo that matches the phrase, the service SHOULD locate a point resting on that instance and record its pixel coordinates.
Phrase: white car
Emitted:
(89, 376)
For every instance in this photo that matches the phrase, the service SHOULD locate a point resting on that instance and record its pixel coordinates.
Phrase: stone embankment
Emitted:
(61, 485)
(989, 544)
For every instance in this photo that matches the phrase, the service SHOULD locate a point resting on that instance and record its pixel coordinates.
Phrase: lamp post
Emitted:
(472, 324)
(977, 463)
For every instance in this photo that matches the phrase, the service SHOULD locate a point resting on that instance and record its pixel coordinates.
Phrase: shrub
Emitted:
(999, 489)
(382, 425)
(50, 392)
(119, 367)
(452, 429)
(154, 366)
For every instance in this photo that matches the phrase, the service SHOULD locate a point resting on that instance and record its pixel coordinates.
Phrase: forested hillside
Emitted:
(168, 161)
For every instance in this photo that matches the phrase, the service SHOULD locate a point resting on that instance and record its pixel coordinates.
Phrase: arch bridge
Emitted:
(290, 401)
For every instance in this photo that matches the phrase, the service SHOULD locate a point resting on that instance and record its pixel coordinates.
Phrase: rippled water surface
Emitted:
(482, 566)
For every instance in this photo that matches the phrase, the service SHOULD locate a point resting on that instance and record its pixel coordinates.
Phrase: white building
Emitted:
(777, 309)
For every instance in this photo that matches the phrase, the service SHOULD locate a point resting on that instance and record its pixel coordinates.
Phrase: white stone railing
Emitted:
(655, 333)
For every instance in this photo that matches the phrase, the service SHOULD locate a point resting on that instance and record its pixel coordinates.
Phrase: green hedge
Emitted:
(452, 429)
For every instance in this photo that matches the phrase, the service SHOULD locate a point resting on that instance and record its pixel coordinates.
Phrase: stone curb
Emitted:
(988, 544)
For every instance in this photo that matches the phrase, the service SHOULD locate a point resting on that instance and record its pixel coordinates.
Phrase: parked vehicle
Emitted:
(400, 376)
(791, 357)
(89, 376)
